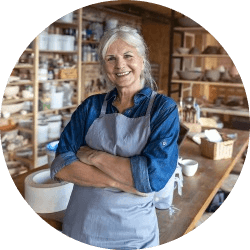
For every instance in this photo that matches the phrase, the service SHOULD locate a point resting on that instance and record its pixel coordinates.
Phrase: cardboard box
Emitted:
(218, 150)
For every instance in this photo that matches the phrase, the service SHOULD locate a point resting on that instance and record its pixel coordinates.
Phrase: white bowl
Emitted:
(12, 108)
(27, 94)
(189, 75)
(212, 75)
(11, 91)
(189, 167)
(182, 50)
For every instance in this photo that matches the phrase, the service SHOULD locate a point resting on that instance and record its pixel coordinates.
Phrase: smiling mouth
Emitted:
(123, 73)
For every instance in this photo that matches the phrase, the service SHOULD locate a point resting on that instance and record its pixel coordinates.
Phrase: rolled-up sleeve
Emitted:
(70, 141)
(156, 164)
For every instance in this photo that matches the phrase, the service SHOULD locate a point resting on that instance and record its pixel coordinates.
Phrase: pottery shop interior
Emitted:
(59, 69)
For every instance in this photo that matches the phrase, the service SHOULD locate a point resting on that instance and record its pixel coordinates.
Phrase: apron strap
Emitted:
(104, 106)
(152, 98)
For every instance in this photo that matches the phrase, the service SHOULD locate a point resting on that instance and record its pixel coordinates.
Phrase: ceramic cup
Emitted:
(189, 167)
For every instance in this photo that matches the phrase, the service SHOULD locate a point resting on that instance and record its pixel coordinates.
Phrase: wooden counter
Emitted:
(198, 190)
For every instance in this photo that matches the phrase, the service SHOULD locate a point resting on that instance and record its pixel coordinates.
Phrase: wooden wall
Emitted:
(156, 36)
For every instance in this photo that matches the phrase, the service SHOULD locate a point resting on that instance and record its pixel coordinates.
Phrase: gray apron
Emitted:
(107, 217)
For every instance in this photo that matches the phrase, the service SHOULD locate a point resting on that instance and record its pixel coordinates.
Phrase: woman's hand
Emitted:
(86, 154)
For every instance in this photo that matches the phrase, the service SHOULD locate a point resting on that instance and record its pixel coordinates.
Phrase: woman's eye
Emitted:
(111, 58)
(127, 56)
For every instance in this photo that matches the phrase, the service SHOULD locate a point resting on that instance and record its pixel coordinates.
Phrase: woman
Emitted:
(118, 149)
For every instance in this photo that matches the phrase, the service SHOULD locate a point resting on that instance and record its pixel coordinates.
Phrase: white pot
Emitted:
(56, 100)
(68, 43)
(11, 91)
(54, 129)
(43, 41)
(55, 42)
(67, 18)
(43, 74)
(27, 94)
(42, 136)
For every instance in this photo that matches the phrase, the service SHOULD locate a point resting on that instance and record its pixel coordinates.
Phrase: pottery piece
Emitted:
(187, 22)
(11, 91)
(194, 51)
(12, 108)
(189, 167)
(183, 50)
(27, 94)
(225, 76)
(54, 129)
(189, 75)
(212, 75)
(56, 100)
(222, 51)
(211, 50)
(42, 135)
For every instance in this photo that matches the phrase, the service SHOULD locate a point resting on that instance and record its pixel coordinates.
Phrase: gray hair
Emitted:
(133, 38)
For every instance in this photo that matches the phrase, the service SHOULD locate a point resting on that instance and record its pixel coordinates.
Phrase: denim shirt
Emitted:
(157, 162)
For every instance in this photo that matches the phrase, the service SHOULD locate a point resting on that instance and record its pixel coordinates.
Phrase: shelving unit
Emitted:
(179, 86)
(32, 161)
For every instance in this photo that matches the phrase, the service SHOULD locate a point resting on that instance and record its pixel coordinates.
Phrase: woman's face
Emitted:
(123, 65)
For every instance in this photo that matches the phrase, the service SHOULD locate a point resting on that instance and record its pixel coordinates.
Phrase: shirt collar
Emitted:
(146, 91)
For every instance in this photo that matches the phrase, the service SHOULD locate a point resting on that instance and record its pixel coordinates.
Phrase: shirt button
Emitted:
(164, 143)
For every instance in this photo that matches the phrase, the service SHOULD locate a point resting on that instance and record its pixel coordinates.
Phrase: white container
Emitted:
(189, 167)
(43, 41)
(68, 43)
(45, 195)
(43, 74)
(11, 91)
(42, 160)
(56, 100)
(55, 42)
(54, 130)
(42, 136)
(67, 18)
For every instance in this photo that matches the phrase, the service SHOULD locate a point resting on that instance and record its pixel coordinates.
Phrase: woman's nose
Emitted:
(120, 62)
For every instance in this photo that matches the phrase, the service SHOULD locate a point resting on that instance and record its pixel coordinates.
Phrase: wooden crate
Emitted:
(218, 150)
(68, 73)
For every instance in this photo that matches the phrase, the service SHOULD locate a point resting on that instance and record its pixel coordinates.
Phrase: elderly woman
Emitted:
(118, 149)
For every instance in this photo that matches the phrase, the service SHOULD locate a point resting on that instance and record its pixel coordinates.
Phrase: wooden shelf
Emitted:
(225, 111)
(21, 82)
(226, 84)
(24, 66)
(88, 63)
(13, 101)
(65, 25)
(90, 42)
(60, 80)
(191, 29)
(53, 110)
(200, 55)
(58, 52)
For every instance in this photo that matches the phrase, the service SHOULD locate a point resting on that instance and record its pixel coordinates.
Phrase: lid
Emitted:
(52, 146)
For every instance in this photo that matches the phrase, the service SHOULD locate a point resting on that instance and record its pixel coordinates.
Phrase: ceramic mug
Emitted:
(189, 167)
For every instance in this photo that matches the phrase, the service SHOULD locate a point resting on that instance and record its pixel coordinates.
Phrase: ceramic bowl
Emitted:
(27, 94)
(11, 91)
(189, 167)
(12, 108)
(187, 22)
(189, 75)
(182, 50)
(212, 75)
(194, 51)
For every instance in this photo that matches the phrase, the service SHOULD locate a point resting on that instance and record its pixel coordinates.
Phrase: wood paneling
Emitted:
(156, 36)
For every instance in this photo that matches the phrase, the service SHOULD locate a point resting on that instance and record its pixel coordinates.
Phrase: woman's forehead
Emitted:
(120, 46)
